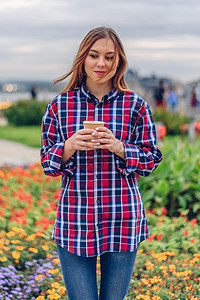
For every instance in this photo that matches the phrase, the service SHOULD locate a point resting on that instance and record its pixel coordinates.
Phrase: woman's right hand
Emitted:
(81, 140)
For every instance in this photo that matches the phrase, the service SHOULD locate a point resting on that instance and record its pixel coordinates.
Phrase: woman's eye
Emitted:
(93, 56)
(109, 57)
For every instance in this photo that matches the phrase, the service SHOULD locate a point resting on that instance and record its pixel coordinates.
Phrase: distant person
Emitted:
(197, 96)
(34, 92)
(100, 210)
(193, 97)
(172, 99)
(159, 95)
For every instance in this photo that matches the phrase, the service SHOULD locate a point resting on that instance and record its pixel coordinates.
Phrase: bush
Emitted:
(172, 121)
(167, 265)
(175, 184)
(26, 112)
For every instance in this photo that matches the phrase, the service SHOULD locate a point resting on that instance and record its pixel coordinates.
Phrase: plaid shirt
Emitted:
(100, 206)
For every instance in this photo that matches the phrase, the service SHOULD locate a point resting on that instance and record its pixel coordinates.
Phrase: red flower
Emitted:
(150, 239)
(56, 194)
(164, 211)
(159, 221)
(192, 241)
(159, 237)
(2, 213)
(186, 232)
(193, 222)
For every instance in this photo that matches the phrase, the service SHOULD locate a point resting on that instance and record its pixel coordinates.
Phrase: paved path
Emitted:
(16, 154)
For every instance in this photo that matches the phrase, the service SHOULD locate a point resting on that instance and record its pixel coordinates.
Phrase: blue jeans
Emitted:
(79, 275)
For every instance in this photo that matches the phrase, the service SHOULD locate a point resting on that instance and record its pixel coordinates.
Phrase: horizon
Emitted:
(40, 39)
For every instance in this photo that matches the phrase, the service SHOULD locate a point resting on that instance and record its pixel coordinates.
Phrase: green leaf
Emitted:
(179, 166)
(162, 188)
(182, 202)
(196, 207)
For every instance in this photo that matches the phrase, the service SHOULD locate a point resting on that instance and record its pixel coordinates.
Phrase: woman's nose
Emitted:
(101, 62)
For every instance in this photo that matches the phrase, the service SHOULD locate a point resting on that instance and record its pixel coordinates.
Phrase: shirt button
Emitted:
(98, 201)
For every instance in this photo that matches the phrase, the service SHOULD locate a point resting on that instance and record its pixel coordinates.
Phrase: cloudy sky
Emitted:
(39, 38)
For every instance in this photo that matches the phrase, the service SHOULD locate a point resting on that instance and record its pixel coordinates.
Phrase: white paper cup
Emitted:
(93, 124)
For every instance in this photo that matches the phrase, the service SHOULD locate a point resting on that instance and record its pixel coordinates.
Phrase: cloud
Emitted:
(45, 35)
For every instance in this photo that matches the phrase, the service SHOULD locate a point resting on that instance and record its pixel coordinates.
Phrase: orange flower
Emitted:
(45, 247)
(192, 241)
(3, 259)
(16, 254)
(34, 250)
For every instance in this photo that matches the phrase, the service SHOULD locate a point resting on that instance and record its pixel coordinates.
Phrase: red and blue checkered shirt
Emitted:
(100, 206)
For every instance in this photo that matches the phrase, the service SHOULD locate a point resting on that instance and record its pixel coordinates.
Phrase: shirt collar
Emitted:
(111, 96)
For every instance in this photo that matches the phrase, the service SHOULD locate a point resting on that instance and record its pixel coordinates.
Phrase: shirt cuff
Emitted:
(128, 165)
(55, 161)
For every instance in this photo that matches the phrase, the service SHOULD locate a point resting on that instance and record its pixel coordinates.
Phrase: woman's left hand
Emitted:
(106, 139)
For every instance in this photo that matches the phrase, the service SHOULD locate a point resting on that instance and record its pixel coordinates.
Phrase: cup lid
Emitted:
(94, 122)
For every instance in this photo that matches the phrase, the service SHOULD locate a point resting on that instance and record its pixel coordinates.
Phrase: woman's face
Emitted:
(98, 64)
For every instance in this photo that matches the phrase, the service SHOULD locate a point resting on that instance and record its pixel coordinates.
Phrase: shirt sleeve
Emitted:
(53, 145)
(142, 155)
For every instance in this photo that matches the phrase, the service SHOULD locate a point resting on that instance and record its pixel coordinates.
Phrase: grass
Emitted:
(27, 135)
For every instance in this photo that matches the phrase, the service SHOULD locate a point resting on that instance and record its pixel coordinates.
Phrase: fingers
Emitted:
(100, 135)
(82, 145)
(85, 131)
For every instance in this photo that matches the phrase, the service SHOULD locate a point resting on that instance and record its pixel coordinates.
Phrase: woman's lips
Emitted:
(100, 72)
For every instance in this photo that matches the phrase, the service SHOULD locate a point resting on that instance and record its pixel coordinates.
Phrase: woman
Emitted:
(100, 210)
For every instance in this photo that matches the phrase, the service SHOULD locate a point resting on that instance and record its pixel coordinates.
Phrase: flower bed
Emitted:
(167, 265)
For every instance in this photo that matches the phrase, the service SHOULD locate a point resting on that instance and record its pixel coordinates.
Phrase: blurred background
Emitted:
(39, 40)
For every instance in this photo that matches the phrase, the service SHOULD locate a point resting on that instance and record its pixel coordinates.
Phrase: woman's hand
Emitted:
(81, 140)
(107, 141)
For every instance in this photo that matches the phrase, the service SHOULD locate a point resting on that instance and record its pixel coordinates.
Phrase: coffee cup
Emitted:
(93, 124)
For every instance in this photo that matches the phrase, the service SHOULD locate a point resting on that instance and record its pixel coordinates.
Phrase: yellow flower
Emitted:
(17, 229)
(40, 298)
(62, 290)
(56, 261)
(16, 254)
(196, 255)
(2, 234)
(20, 248)
(3, 259)
(34, 250)
(45, 247)
(51, 291)
(6, 248)
(38, 277)
(30, 237)
(10, 234)
(53, 271)
(15, 242)
(55, 285)
(1, 252)
(49, 255)
(163, 267)
(53, 296)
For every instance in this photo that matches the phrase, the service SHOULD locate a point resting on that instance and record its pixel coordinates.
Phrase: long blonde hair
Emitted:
(77, 71)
